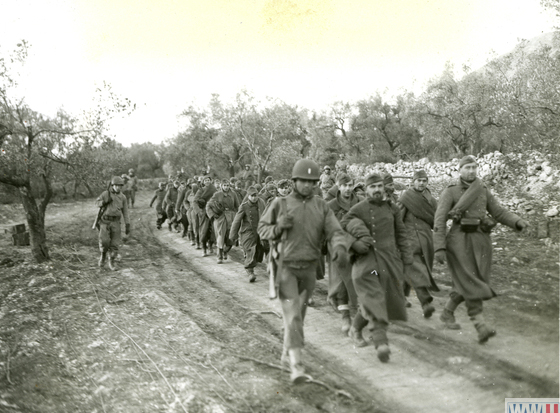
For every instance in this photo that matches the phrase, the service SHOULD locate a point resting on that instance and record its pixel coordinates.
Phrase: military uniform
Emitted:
(170, 201)
(222, 208)
(158, 198)
(110, 224)
(133, 182)
(201, 198)
(326, 182)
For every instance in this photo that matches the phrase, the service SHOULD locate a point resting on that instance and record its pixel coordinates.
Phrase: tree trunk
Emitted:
(36, 223)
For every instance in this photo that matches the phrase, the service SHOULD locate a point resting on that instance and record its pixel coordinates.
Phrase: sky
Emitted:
(165, 55)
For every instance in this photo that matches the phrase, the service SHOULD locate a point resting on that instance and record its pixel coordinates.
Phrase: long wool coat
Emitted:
(422, 245)
(469, 255)
(222, 207)
(378, 274)
(245, 224)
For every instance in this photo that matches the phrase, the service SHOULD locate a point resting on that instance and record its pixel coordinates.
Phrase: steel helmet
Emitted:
(131, 171)
(306, 169)
(117, 180)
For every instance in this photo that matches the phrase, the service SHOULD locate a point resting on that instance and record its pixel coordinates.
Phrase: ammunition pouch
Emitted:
(469, 224)
(487, 224)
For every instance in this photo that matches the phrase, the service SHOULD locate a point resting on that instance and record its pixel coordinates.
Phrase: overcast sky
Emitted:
(165, 54)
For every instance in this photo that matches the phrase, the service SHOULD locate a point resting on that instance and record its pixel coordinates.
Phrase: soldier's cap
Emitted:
(359, 185)
(466, 160)
(225, 181)
(419, 174)
(252, 191)
(270, 186)
(232, 180)
(388, 179)
(206, 177)
(190, 181)
(283, 183)
(327, 167)
(343, 179)
(268, 179)
(161, 184)
(373, 179)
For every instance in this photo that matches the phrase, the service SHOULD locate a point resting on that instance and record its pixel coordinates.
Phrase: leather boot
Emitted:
(251, 274)
(357, 337)
(102, 259)
(204, 252)
(383, 352)
(297, 375)
(484, 331)
(428, 309)
(346, 322)
(220, 256)
(447, 316)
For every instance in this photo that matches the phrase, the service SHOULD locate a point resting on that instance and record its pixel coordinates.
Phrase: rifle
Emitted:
(102, 210)
(273, 268)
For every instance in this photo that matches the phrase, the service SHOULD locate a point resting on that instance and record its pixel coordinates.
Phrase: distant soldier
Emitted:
(389, 185)
(222, 208)
(126, 189)
(326, 181)
(297, 225)
(241, 193)
(284, 188)
(467, 246)
(268, 193)
(248, 177)
(181, 207)
(114, 205)
(245, 226)
(342, 294)
(201, 198)
(418, 208)
(191, 214)
(170, 200)
(133, 185)
(159, 196)
(381, 249)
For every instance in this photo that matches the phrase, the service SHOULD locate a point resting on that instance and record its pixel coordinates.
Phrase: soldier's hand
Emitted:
(521, 224)
(340, 256)
(440, 256)
(360, 247)
(127, 229)
(285, 222)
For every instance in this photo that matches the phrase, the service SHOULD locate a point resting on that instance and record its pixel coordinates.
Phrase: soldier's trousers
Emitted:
(341, 287)
(474, 307)
(110, 236)
(295, 286)
(132, 196)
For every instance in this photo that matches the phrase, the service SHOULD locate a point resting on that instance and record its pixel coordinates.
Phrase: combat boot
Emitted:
(357, 337)
(383, 352)
(220, 256)
(251, 274)
(484, 331)
(447, 316)
(428, 309)
(204, 252)
(170, 229)
(102, 259)
(297, 375)
(346, 322)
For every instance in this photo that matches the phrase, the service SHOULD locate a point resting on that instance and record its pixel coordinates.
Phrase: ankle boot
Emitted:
(220, 256)
(447, 316)
(484, 331)
(357, 337)
(102, 259)
(297, 375)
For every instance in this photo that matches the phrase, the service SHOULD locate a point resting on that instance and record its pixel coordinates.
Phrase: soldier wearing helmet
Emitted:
(126, 189)
(327, 181)
(297, 226)
(113, 203)
(133, 186)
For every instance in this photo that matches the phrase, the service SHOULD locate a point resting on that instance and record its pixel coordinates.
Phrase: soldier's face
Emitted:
(253, 198)
(346, 189)
(305, 186)
(375, 191)
(390, 188)
(225, 187)
(284, 190)
(468, 172)
(207, 181)
(420, 184)
(117, 188)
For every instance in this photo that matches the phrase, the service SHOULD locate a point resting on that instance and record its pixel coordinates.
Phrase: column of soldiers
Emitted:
(378, 246)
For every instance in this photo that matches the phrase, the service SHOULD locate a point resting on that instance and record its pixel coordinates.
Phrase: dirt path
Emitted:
(169, 330)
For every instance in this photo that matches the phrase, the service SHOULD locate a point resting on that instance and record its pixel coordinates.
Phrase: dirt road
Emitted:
(174, 331)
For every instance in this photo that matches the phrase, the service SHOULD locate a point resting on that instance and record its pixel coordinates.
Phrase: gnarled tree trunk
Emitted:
(36, 223)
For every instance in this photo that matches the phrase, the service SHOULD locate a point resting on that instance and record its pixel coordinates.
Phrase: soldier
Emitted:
(181, 206)
(126, 189)
(170, 200)
(467, 246)
(390, 187)
(418, 208)
(133, 186)
(268, 193)
(201, 198)
(326, 181)
(159, 196)
(245, 226)
(114, 205)
(241, 193)
(342, 294)
(248, 177)
(192, 215)
(221, 209)
(284, 188)
(298, 224)
(380, 250)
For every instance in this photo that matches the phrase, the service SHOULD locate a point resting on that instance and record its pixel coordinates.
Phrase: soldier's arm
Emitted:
(349, 216)
(333, 231)
(440, 220)
(125, 213)
(500, 214)
(180, 199)
(267, 228)
(153, 199)
(402, 236)
(103, 199)
(236, 223)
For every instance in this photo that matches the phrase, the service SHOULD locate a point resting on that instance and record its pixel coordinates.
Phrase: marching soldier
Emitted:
(380, 250)
(245, 226)
(201, 198)
(133, 186)
(114, 205)
(298, 224)
(418, 208)
(159, 196)
(326, 181)
(248, 177)
(467, 246)
(170, 200)
(221, 209)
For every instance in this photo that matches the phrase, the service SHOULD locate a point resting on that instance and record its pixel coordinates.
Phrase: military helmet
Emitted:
(117, 180)
(327, 168)
(306, 169)
(131, 171)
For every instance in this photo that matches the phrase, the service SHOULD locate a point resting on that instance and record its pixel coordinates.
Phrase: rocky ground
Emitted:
(172, 331)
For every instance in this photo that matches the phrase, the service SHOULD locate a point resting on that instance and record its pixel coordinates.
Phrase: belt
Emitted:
(111, 218)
